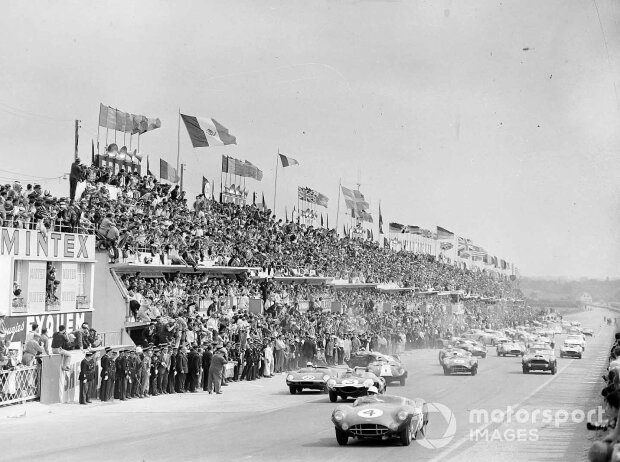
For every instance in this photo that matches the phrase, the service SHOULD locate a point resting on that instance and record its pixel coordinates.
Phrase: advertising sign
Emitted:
(35, 245)
(18, 326)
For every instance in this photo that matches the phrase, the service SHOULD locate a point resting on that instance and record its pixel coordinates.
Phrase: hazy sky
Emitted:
(497, 120)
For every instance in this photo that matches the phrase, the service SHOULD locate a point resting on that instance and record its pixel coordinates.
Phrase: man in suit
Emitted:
(87, 370)
(120, 390)
(182, 369)
(193, 369)
(154, 372)
(111, 376)
(172, 372)
(216, 371)
(106, 360)
(207, 356)
(162, 370)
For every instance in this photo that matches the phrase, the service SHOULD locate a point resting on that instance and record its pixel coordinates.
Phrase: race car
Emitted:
(510, 348)
(353, 384)
(459, 362)
(310, 378)
(380, 417)
(387, 366)
(579, 339)
(446, 351)
(587, 331)
(570, 349)
(475, 348)
(539, 358)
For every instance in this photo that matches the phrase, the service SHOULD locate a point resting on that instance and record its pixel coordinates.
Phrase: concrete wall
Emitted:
(110, 308)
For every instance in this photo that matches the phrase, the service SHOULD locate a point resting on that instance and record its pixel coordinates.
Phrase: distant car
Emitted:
(587, 331)
(475, 348)
(510, 348)
(380, 417)
(309, 378)
(459, 361)
(539, 358)
(354, 384)
(571, 349)
(579, 339)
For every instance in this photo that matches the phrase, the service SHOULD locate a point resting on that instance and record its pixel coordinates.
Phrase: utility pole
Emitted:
(77, 127)
(182, 165)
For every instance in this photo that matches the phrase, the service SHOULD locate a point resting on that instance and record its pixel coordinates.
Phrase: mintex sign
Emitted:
(27, 244)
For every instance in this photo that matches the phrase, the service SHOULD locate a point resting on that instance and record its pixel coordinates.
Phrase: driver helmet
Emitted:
(372, 390)
(309, 364)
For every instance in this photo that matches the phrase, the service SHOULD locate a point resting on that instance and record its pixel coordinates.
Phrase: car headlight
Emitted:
(331, 382)
(325, 378)
(401, 371)
(338, 415)
(345, 426)
(289, 377)
(368, 383)
(402, 415)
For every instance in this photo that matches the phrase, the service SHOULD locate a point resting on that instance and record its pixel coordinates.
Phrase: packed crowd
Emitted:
(141, 218)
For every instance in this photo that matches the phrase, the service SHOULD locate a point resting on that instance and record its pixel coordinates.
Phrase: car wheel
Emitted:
(579, 356)
(561, 355)
(553, 370)
(341, 437)
(526, 370)
(405, 435)
(402, 381)
(498, 353)
(484, 355)
(333, 396)
(474, 370)
(446, 371)
(292, 390)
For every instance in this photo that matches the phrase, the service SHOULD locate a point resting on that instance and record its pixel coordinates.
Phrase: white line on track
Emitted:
(442, 457)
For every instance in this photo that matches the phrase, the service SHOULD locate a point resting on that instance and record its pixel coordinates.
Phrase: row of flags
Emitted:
(242, 168)
(125, 122)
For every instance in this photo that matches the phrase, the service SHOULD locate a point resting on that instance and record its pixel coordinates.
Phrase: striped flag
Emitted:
(206, 187)
(204, 132)
(443, 233)
(380, 221)
(287, 161)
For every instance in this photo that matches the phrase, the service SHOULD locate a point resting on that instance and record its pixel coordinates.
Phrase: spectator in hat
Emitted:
(107, 376)
(182, 370)
(32, 349)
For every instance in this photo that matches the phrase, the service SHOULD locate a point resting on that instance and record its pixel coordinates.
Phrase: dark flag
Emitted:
(380, 221)
(264, 204)
(386, 243)
(92, 152)
(254, 198)
(285, 215)
(327, 221)
(148, 168)
(344, 229)
(321, 220)
(205, 182)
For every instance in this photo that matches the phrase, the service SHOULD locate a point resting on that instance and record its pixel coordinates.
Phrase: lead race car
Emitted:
(310, 377)
(353, 384)
(458, 361)
(381, 417)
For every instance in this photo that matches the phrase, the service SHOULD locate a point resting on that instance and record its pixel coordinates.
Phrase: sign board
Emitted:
(18, 326)
(336, 307)
(304, 305)
(256, 306)
(34, 245)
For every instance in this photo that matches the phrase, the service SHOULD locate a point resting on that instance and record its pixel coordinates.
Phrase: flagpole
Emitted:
(221, 188)
(275, 186)
(179, 141)
(338, 204)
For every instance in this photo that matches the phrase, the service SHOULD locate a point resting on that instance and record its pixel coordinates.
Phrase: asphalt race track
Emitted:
(261, 421)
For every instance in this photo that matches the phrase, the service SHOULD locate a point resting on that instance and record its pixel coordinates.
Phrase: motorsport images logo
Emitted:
(443, 420)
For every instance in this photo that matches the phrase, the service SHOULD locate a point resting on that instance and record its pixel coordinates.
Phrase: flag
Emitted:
(206, 187)
(252, 171)
(264, 204)
(140, 124)
(443, 233)
(365, 216)
(395, 227)
(446, 246)
(148, 168)
(354, 199)
(321, 220)
(327, 221)
(92, 152)
(322, 200)
(166, 172)
(287, 161)
(254, 198)
(380, 221)
(285, 215)
(464, 243)
(205, 132)
(152, 124)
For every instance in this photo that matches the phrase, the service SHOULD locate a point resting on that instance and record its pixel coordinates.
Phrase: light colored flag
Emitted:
(287, 161)
(204, 132)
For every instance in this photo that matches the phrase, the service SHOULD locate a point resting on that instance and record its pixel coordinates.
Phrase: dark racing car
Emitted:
(459, 362)
(309, 378)
(539, 358)
(381, 417)
(353, 384)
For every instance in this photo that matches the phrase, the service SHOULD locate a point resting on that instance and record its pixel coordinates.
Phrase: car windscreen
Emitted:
(539, 351)
(379, 399)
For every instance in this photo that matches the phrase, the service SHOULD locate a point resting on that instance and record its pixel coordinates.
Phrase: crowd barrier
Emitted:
(20, 384)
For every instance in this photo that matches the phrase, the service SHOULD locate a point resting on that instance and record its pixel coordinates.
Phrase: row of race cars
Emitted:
(374, 414)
